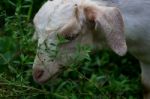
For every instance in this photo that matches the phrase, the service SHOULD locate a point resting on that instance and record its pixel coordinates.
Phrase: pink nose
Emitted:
(37, 73)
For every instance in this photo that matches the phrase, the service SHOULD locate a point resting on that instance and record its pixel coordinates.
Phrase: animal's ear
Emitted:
(108, 20)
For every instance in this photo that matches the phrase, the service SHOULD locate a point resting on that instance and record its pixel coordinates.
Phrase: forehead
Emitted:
(61, 16)
(52, 16)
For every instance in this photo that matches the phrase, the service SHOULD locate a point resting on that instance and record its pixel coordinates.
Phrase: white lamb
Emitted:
(113, 24)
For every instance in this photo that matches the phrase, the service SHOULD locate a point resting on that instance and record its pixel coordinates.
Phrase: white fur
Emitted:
(51, 17)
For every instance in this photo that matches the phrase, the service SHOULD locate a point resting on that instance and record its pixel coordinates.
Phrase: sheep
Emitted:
(118, 25)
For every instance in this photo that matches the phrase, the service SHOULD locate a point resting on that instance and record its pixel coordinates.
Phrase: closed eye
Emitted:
(71, 37)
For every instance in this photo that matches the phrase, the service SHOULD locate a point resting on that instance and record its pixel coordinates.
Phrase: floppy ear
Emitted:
(108, 20)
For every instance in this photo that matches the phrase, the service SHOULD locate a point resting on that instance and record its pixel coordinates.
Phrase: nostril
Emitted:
(38, 73)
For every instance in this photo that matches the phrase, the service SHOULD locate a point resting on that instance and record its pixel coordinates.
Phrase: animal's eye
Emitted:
(71, 37)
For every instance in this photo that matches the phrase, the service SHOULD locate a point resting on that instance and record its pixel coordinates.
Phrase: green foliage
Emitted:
(98, 75)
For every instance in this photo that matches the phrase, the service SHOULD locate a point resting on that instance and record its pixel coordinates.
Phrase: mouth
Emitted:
(46, 77)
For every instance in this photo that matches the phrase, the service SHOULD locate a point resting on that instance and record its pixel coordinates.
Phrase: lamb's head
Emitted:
(63, 25)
